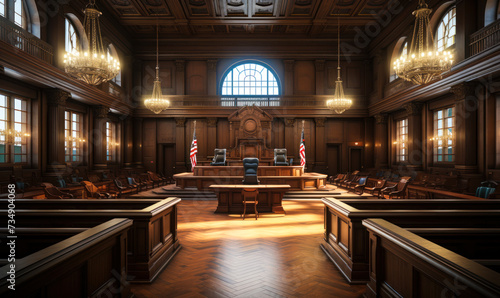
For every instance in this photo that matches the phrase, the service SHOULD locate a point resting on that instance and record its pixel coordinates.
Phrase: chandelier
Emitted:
(443, 139)
(12, 136)
(157, 103)
(71, 139)
(91, 63)
(422, 64)
(339, 103)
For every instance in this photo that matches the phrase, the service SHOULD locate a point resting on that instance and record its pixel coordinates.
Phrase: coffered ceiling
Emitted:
(184, 18)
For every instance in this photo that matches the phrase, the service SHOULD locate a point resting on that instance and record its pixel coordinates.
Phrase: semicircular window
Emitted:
(250, 84)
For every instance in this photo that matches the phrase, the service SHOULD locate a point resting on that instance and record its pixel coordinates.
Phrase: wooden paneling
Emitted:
(149, 144)
(165, 131)
(334, 131)
(196, 78)
(304, 78)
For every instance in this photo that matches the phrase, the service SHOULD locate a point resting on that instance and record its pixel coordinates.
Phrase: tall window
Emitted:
(404, 52)
(14, 132)
(447, 30)
(116, 81)
(444, 135)
(402, 140)
(73, 142)
(111, 141)
(20, 14)
(2, 8)
(250, 83)
(71, 38)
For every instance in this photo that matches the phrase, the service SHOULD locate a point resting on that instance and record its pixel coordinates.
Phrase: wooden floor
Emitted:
(225, 256)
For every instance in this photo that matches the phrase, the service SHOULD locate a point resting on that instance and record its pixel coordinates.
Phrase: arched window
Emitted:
(118, 79)
(250, 83)
(71, 39)
(402, 51)
(447, 30)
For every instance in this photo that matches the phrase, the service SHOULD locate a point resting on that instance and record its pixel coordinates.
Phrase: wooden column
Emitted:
(466, 25)
(56, 99)
(289, 68)
(290, 137)
(180, 66)
(180, 141)
(137, 77)
(369, 142)
(99, 137)
(320, 77)
(320, 165)
(466, 127)
(128, 141)
(415, 145)
(212, 135)
(381, 141)
(497, 132)
(212, 77)
(137, 145)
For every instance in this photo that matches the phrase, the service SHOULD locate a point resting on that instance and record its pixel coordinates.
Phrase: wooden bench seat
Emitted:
(403, 264)
(346, 242)
(152, 239)
(89, 264)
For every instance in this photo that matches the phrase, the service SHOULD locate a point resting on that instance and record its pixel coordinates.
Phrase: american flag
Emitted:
(302, 148)
(194, 150)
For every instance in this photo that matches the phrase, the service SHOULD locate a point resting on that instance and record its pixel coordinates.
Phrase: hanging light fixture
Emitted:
(339, 103)
(157, 103)
(423, 63)
(92, 65)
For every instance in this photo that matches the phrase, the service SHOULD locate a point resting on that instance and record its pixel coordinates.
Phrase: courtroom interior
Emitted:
(250, 148)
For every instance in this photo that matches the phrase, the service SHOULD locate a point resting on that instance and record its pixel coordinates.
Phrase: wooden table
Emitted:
(230, 199)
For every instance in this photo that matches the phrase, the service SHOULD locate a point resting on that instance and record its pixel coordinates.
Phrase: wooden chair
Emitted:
(360, 187)
(52, 192)
(250, 196)
(398, 190)
(379, 185)
(132, 183)
(93, 192)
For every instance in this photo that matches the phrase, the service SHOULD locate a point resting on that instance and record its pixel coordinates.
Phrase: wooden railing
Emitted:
(25, 41)
(315, 101)
(485, 38)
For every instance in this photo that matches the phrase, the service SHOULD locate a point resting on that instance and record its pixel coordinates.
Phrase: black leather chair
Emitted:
(219, 157)
(280, 157)
(250, 165)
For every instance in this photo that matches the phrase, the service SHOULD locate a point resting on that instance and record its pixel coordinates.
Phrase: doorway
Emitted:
(333, 159)
(355, 159)
(166, 159)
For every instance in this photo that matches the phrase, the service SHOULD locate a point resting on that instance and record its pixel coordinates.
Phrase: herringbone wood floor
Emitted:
(225, 256)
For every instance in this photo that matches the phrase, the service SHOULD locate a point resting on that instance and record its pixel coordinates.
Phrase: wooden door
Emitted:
(355, 159)
(167, 158)
(333, 159)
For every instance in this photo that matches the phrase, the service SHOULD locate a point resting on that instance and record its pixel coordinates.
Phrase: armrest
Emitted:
(388, 188)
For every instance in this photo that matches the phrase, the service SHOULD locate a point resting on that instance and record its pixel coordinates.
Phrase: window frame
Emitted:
(111, 142)
(441, 24)
(10, 149)
(436, 129)
(267, 99)
(402, 140)
(79, 144)
(404, 48)
(68, 37)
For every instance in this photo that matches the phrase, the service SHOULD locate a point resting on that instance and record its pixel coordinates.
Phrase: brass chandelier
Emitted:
(157, 103)
(423, 64)
(339, 103)
(12, 136)
(91, 64)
